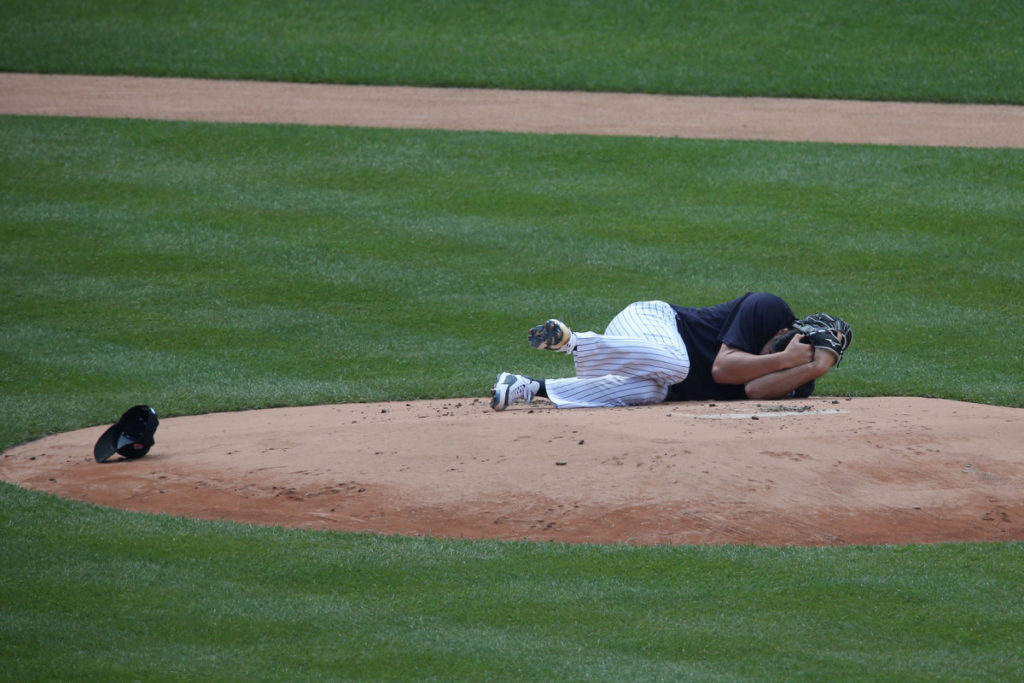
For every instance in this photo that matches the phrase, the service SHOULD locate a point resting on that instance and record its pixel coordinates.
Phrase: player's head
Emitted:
(780, 341)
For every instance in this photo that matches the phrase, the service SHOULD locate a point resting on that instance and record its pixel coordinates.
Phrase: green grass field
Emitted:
(934, 50)
(94, 594)
(206, 267)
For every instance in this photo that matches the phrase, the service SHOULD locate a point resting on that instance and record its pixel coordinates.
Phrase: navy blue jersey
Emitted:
(746, 323)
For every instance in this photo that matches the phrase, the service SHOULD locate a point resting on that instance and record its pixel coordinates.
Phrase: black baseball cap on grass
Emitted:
(131, 436)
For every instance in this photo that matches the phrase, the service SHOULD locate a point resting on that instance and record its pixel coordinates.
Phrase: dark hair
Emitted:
(782, 342)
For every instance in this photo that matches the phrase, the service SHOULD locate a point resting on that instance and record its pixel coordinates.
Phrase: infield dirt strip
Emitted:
(814, 471)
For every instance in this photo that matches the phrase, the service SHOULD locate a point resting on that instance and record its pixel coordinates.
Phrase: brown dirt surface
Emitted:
(814, 471)
(820, 471)
(586, 113)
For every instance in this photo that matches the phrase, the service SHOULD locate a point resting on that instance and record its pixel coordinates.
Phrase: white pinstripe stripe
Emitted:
(634, 362)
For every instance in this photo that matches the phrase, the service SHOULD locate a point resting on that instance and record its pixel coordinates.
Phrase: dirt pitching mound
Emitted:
(820, 471)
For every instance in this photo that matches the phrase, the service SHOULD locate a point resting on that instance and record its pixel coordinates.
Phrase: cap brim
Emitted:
(106, 446)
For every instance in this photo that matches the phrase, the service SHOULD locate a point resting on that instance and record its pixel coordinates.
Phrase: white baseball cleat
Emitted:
(511, 389)
(554, 335)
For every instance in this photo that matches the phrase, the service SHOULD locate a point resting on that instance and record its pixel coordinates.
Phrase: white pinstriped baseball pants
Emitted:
(636, 360)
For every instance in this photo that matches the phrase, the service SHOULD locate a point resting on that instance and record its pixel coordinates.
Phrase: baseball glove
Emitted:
(825, 332)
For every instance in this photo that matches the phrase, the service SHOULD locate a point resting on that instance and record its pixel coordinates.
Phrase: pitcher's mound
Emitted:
(806, 472)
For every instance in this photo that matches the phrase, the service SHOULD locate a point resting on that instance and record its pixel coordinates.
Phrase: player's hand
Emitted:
(798, 352)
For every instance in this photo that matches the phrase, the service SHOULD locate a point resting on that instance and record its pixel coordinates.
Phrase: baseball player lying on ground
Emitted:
(752, 347)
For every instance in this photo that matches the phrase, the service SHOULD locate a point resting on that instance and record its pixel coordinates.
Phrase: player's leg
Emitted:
(633, 363)
(604, 392)
(642, 341)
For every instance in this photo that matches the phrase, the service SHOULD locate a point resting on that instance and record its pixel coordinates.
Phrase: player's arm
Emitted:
(781, 383)
(735, 366)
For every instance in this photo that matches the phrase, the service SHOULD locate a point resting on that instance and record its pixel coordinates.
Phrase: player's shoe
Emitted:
(511, 389)
(554, 335)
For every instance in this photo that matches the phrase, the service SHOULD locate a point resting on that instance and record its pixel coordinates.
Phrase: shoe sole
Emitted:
(499, 394)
